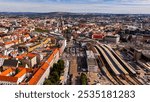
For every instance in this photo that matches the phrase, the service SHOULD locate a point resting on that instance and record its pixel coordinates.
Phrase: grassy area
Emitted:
(41, 30)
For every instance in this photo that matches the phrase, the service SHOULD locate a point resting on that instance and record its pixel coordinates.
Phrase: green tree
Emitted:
(47, 82)
(83, 79)
(17, 71)
(54, 82)
(55, 67)
(61, 64)
(55, 75)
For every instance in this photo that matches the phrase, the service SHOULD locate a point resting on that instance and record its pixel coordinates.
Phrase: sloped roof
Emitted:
(11, 63)
(8, 78)
(36, 77)
(21, 73)
(4, 73)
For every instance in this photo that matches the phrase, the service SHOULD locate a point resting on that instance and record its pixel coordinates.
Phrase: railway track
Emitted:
(120, 67)
(109, 76)
(115, 71)
(118, 80)
(137, 81)
(124, 64)
(104, 69)
(114, 78)
(112, 73)
(130, 79)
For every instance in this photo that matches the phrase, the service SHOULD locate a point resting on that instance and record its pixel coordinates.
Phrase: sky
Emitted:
(77, 6)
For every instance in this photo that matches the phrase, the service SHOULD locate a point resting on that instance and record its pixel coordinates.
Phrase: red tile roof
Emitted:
(4, 73)
(8, 78)
(21, 56)
(30, 55)
(21, 73)
(98, 36)
(15, 41)
(27, 35)
(36, 77)
(3, 56)
(7, 43)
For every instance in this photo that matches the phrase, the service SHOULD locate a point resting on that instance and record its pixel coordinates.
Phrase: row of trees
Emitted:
(55, 73)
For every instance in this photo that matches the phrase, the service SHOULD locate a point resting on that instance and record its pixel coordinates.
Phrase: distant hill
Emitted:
(64, 14)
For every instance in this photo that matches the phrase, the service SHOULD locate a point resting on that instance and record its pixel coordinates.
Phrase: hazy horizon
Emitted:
(77, 6)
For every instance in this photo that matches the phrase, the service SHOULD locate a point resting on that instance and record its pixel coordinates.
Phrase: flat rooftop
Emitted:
(91, 61)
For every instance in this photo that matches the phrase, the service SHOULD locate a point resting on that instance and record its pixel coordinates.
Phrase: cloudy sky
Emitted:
(78, 6)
